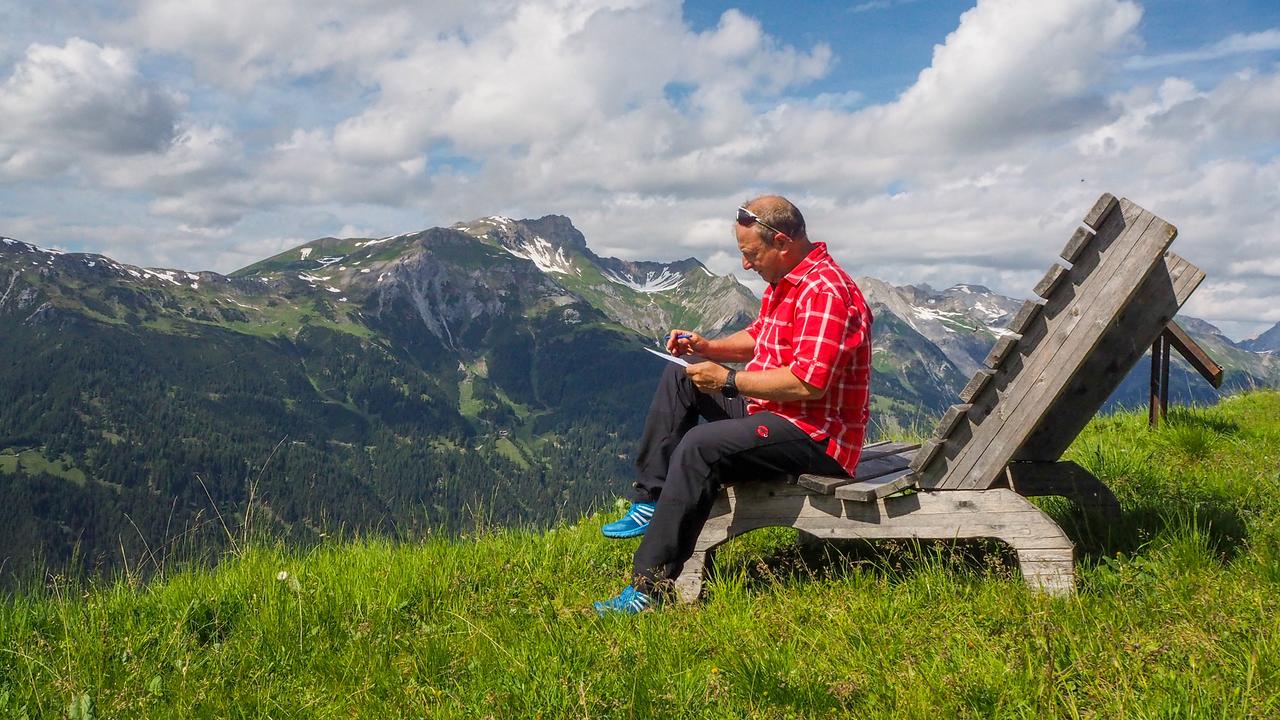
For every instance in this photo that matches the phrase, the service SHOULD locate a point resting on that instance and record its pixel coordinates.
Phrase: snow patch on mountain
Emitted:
(547, 257)
(652, 282)
(162, 274)
(942, 316)
(990, 313)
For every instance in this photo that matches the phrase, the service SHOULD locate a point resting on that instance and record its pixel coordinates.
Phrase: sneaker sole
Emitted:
(623, 535)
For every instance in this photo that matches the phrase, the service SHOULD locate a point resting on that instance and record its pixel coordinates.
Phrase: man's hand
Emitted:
(707, 376)
(686, 342)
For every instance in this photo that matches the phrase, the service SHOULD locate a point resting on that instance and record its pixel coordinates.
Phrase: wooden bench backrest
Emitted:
(1066, 353)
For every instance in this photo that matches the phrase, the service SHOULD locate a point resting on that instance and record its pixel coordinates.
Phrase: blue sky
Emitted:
(926, 140)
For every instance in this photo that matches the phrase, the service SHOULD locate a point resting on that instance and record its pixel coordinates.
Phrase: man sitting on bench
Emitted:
(799, 406)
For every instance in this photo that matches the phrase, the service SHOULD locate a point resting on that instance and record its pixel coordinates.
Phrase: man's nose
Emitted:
(746, 264)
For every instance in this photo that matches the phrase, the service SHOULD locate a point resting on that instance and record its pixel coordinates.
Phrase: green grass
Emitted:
(1175, 616)
(34, 461)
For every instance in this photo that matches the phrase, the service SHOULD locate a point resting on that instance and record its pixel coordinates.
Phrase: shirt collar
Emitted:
(815, 256)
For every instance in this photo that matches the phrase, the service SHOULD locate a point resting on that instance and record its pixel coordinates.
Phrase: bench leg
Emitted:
(696, 568)
(1052, 572)
(1045, 554)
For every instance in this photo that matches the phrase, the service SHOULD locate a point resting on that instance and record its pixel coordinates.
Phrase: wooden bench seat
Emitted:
(1064, 354)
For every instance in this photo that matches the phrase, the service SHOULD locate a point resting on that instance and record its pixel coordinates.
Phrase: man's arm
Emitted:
(738, 347)
(776, 384)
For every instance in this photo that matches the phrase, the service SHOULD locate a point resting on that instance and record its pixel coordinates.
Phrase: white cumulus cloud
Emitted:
(62, 102)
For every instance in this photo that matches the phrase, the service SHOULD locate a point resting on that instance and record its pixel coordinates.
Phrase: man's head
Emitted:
(771, 237)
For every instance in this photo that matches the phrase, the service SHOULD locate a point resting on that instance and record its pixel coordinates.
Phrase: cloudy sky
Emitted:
(926, 140)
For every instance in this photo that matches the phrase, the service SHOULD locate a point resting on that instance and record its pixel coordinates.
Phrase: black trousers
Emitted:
(681, 465)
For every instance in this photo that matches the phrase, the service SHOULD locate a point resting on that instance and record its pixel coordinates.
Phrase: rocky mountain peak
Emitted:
(558, 230)
(1267, 342)
(1198, 326)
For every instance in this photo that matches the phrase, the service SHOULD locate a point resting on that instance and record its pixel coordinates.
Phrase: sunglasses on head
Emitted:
(746, 218)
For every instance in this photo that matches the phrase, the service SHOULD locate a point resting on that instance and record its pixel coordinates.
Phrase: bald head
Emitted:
(777, 212)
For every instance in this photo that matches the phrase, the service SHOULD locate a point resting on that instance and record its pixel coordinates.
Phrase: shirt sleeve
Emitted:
(826, 330)
(756, 325)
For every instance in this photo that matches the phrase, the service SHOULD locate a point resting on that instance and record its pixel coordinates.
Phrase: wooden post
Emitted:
(1159, 381)
(1193, 353)
(1175, 337)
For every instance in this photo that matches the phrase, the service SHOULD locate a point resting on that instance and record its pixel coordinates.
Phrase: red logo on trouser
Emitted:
(762, 431)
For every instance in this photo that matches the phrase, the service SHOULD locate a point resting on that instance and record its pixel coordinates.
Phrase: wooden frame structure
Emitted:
(1175, 337)
(1062, 357)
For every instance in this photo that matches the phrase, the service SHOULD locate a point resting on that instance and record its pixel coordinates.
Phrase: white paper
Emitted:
(669, 358)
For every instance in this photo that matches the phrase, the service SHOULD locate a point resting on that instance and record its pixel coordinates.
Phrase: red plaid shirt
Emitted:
(816, 321)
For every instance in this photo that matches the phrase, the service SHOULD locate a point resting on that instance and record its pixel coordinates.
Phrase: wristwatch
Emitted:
(730, 387)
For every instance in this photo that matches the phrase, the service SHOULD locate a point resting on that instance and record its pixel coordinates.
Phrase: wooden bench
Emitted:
(1065, 353)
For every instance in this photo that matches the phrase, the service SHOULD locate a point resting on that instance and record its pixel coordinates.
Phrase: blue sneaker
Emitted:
(629, 602)
(633, 524)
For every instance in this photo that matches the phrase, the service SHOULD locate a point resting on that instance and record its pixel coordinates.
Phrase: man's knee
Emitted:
(699, 446)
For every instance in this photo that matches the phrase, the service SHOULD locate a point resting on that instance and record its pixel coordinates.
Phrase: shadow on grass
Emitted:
(788, 556)
(1152, 506)
(1199, 417)
(1216, 517)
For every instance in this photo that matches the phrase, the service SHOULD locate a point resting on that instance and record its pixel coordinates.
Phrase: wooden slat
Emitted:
(1000, 351)
(925, 454)
(949, 421)
(1029, 397)
(1098, 261)
(976, 383)
(872, 464)
(1131, 334)
(876, 488)
(1076, 245)
(1194, 354)
(1098, 213)
(1050, 281)
(1025, 315)
(871, 452)
(1081, 281)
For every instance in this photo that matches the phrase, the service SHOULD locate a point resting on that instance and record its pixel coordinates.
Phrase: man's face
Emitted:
(765, 258)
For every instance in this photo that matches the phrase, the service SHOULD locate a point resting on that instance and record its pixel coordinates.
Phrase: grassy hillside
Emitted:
(1176, 616)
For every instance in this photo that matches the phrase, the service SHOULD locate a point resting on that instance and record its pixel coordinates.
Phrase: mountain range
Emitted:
(493, 371)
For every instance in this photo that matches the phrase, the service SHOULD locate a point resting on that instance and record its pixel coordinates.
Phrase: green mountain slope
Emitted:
(1175, 611)
(144, 407)
(391, 384)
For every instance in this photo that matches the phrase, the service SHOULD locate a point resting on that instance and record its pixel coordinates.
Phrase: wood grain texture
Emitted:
(1122, 346)
(1103, 207)
(998, 514)
(926, 454)
(976, 383)
(1000, 351)
(1075, 245)
(876, 488)
(1026, 314)
(1104, 254)
(949, 421)
(1031, 396)
(1193, 353)
(882, 449)
(1050, 281)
